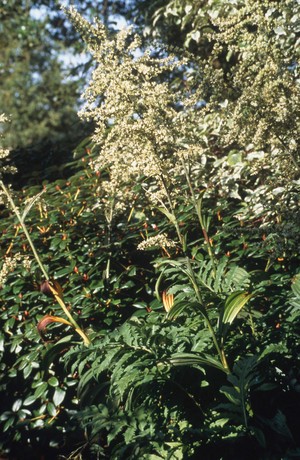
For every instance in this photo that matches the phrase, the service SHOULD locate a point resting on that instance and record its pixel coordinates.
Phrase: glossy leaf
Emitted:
(59, 396)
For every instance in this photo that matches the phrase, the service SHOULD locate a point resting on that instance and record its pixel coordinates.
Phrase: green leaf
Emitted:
(140, 304)
(53, 382)
(63, 272)
(243, 377)
(157, 285)
(59, 396)
(1, 342)
(168, 214)
(230, 394)
(30, 400)
(191, 359)
(30, 204)
(233, 305)
(55, 350)
(296, 285)
(41, 390)
(234, 157)
(116, 429)
(279, 424)
(51, 409)
(259, 435)
(17, 405)
(8, 423)
(178, 308)
(27, 371)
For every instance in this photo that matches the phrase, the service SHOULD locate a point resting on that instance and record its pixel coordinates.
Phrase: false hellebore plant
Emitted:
(148, 132)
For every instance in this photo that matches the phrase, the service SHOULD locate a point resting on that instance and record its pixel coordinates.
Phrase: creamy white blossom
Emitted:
(139, 126)
(9, 265)
(4, 153)
(160, 240)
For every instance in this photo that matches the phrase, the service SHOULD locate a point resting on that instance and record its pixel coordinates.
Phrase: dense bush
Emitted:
(172, 245)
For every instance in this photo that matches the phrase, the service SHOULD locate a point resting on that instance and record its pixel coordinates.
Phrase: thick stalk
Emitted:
(198, 208)
(192, 278)
(68, 314)
(219, 348)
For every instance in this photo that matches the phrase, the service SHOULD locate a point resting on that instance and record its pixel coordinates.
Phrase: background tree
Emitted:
(43, 71)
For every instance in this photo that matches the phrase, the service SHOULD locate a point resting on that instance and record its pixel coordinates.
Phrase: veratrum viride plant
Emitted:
(153, 137)
(145, 130)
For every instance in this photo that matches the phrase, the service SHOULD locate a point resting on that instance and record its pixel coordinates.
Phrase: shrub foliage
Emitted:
(171, 243)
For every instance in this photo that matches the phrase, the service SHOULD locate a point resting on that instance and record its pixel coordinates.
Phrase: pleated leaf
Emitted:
(233, 305)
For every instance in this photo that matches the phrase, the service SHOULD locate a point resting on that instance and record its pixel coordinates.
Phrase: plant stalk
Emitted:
(191, 274)
(220, 349)
(179, 234)
(16, 211)
(43, 270)
(198, 209)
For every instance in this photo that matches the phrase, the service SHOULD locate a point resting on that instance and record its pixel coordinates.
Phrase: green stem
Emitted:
(68, 314)
(15, 210)
(179, 234)
(194, 282)
(220, 349)
(268, 265)
(192, 278)
(43, 270)
(198, 207)
(109, 218)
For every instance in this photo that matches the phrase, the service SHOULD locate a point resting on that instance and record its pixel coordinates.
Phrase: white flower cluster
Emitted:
(138, 125)
(4, 153)
(10, 264)
(266, 110)
(160, 240)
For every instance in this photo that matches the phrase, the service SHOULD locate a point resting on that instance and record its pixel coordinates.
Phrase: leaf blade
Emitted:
(233, 305)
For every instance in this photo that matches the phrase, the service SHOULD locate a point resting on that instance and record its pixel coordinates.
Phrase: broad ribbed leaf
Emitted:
(191, 359)
(233, 305)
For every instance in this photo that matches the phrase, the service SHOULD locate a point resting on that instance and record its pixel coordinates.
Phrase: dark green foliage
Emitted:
(72, 240)
(214, 372)
(144, 400)
(152, 385)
